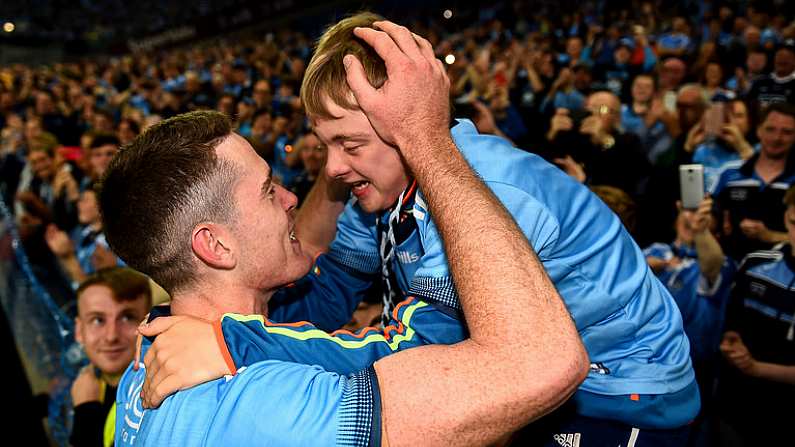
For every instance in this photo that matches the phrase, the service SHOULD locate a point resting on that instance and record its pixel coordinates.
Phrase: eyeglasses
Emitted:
(601, 110)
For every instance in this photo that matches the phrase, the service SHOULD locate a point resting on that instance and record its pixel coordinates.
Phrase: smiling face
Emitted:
(776, 135)
(642, 88)
(270, 255)
(107, 328)
(357, 156)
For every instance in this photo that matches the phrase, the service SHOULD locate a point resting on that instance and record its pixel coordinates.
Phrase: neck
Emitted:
(769, 168)
(211, 303)
(111, 379)
(96, 226)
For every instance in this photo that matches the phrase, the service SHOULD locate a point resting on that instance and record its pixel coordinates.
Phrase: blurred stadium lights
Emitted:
(9, 27)
(449, 59)
(447, 14)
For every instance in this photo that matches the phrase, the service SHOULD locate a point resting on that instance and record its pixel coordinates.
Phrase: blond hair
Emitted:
(325, 77)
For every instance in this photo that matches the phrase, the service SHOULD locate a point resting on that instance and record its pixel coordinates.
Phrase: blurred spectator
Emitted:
(779, 86)
(643, 59)
(758, 345)
(713, 80)
(126, 131)
(595, 151)
(749, 196)
(754, 70)
(563, 94)
(699, 277)
(672, 73)
(677, 41)
(616, 75)
(646, 117)
(262, 137)
(52, 182)
(87, 250)
(101, 151)
(110, 305)
(573, 54)
(691, 103)
(12, 157)
(312, 155)
(729, 145)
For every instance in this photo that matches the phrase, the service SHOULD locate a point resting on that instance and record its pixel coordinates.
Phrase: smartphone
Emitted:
(714, 118)
(669, 101)
(691, 185)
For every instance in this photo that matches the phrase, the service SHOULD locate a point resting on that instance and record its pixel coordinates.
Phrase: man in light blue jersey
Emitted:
(190, 203)
(641, 384)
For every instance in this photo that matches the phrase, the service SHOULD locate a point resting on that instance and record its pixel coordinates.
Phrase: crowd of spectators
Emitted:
(618, 96)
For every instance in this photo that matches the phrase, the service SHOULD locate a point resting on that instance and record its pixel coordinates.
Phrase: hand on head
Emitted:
(413, 103)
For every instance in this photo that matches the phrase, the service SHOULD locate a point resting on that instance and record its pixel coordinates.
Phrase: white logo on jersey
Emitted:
(406, 257)
(568, 440)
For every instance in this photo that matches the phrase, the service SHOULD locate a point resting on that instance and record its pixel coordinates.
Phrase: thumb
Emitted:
(159, 325)
(357, 80)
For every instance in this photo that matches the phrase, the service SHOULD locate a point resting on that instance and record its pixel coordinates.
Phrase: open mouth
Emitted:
(359, 186)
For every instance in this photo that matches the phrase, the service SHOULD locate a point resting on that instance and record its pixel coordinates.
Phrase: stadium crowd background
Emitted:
(618, 94)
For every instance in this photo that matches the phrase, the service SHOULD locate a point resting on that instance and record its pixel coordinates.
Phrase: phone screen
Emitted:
(714, 119)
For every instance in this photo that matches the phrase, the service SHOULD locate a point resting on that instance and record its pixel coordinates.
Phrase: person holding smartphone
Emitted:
(749, 196)
(726, 142)
(589, 146)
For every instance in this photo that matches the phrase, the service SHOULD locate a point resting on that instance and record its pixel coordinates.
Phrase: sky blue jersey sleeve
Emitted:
(247, 339)
(269, 403)
(338, 280)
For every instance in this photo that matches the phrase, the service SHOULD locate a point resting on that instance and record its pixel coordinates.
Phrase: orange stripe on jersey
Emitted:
(219, 338)
(369, 329)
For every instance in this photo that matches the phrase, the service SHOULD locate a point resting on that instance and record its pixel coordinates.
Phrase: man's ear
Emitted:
(214, 245)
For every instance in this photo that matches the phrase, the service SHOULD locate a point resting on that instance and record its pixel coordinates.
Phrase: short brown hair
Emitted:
(325, 74)
(160, 186)
(783, 108)
(125, 283)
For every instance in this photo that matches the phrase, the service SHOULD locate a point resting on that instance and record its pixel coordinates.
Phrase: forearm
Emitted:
(72, 267)
(774, 237)
(316, 221)
(535, 81)
(710, 255)
(774, 372)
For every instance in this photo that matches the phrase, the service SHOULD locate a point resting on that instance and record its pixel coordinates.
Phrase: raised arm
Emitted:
(475, 391)
(316, 221)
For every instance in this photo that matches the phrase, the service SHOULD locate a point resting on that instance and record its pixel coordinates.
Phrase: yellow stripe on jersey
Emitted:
(314, 334)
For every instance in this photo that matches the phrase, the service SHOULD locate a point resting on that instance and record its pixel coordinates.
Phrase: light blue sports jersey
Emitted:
(268, 403)
(628, 321)
(702, 304)
(715, 158)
